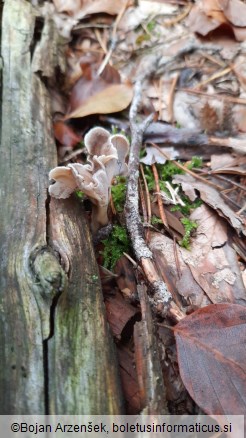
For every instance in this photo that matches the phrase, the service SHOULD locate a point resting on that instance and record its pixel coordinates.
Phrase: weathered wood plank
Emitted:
(23, 180)
(82, 371)
(43, 327)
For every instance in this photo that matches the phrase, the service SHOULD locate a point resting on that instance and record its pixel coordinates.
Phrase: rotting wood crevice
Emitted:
(46, 353)
(51, 317)
(37, 34)
(47, 208)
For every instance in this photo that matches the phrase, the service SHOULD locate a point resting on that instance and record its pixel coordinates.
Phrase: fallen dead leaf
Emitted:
(199, 21)
(69, 6)
(209, 272)
(121, 315)
(234, 11)
(206, 16)
(212, 197)
(91, 83)
(154, 156)
(111, 7)
(80, 8)
(65, 135)
(112, 99)
(211, 358)
(145, 10)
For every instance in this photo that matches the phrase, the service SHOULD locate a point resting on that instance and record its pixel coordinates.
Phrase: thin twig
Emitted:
(143, 203)
(242, 209)
(224, 97)
(149, 214)
(216, 75)
(113, 39)
(176, 257)
(179, 18)
(171, 98)
(159, 200)
(180, 166)
(213, 59)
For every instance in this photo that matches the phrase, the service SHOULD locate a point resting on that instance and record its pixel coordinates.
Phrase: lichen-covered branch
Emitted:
(161, 299)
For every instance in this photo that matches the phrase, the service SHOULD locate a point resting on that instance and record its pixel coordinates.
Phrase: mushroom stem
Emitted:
(99, 217)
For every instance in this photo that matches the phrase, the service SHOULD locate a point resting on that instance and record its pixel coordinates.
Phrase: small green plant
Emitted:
(114, 246)
(186, 209)
(156, 220)
(195, 163)
(151, 25)
(142, 38)
(118, 192)
(189, 226)
(168, 170)
(79, 194)
(165, 171)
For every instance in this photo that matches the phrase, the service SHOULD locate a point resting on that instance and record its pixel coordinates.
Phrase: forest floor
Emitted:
(167, 80)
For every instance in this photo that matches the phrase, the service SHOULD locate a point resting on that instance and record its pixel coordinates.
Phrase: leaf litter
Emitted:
(184, 64)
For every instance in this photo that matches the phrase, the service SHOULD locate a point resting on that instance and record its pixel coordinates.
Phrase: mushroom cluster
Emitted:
(106, 159)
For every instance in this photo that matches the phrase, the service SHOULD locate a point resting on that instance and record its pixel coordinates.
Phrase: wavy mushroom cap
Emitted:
(64, 184)
(97, 142)
(121, 145)
(94, 185)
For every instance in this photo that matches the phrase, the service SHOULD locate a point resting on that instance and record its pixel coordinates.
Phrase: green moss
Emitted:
(151, 25)
(79, 194)
(118, 192)
(168, 170)
(156, 220)
(189, 227)
(142, 38)
(114, 246)
(195, 163)
(186, 209)
(165, 171)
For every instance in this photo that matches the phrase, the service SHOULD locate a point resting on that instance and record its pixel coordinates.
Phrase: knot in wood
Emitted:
(49, 274)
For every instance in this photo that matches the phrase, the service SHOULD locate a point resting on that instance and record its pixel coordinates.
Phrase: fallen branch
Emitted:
(163, 133)
(161, 298)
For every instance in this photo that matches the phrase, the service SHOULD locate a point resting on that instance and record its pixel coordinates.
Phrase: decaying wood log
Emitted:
(150, 379)
(56, 355)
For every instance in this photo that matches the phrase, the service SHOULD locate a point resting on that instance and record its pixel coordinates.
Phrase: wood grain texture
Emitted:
(80, 353)
(151, 384)
(55, 353)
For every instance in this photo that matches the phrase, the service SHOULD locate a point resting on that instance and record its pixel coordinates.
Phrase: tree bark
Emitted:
(56, 355)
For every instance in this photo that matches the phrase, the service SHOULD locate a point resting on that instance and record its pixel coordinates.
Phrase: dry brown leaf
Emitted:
(144, 11)
(212, 197)
(91, 83)
(234, 11)
(69, 6)
(111, 7)
(112, 99)
(239, 116)
(209, 119)
(80, 8)
(121, 315)
(154, 156)
(219, 161)
(206, 16)
(65, 135)
(198, 21)
(211, 357)
(209, 271)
